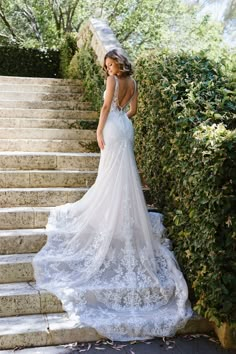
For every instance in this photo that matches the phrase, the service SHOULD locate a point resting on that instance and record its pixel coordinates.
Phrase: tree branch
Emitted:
(29, 15)
(55, 15)
(114, 13)
(7, 24)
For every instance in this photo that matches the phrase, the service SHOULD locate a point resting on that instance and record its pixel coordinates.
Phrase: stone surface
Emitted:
(48, 160)
(41, 145)
(39, 96)
(45, 104)
(46, 88)
(33, 330)
(16, 197)
(37, 80)
(38, 330)
(197, 324)
(47, 113)
(19, 218)
(22, 241)
(200, 344)
(41, 350)
(46, 123)
(16, 268)
(227, 334)
(35, 179)
(103, 38)
(47, 134)
(25, 299)
(47, 140)
(23, 331)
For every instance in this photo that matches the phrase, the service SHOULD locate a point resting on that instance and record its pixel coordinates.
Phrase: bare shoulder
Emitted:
(111, 80)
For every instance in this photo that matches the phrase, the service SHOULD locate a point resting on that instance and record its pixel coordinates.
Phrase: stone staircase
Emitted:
(48, 157)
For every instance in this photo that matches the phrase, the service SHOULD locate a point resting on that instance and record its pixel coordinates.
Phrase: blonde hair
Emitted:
(125, 65)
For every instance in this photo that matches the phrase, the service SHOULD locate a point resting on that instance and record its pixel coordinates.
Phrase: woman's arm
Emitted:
(133, 105)
(110, 88)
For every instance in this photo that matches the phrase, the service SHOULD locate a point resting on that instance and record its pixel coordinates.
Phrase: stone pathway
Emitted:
(188, 344)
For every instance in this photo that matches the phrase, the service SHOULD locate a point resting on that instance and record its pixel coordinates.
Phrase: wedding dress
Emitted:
(106, 257)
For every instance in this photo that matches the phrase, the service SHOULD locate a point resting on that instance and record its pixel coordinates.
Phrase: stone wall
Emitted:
(102, 38)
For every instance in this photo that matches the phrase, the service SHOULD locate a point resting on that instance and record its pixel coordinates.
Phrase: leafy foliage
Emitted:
(67, 50)
(39, 24)
(186, 149)
(15, 61)
(138, 24)
(83, 66)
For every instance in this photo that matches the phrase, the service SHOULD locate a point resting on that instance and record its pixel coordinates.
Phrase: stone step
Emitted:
(43, 197)
(55, 329)
(44, 88)
(26, 299)
(42, 145)
(52, 349)
(42, 330)
(36, 178)
(16, 268)
(47, 134)
(29, 217)
(70, 105)
(16, 197)
(21, 241)
(47, 113)
(23, 217)
(48, 161)
(39, 96)
(18, 80)
(48, 123)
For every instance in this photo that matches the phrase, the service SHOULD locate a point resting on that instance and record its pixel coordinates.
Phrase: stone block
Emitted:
(17, 218)
(11, 112)
(22, 241)
(226, 333)
(42, 145)
(16, 197)
(45, 104)
(47, 134)
(16, 268)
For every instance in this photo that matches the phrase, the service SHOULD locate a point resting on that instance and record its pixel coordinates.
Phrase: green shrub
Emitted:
(67, 51)
(16, 61)
(85, 67)
(186, 149)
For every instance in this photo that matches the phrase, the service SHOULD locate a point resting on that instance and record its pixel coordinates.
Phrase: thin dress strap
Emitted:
(115, 97)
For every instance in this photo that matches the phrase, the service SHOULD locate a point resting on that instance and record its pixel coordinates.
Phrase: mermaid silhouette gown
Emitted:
(105, 256)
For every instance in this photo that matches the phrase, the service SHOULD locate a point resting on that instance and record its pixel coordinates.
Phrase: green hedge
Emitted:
(84, 66)
(15, 61)
(186, 150)
(67, 50)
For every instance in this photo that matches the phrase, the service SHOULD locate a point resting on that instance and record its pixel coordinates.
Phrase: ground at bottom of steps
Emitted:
(186, 344)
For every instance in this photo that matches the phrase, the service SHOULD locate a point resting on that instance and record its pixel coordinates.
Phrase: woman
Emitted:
(104, 257)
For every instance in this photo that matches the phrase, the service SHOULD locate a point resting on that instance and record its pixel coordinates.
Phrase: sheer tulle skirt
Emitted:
(106, 257)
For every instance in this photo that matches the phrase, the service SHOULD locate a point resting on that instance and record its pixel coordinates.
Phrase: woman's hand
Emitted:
(100, 140)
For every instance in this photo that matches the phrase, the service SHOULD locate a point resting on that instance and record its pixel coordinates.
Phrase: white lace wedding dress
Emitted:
(106, 257)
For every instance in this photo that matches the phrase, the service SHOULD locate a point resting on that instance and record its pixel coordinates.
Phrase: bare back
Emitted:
(126, 91)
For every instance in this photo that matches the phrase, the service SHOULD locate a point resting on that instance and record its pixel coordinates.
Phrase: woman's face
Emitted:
(112, 66)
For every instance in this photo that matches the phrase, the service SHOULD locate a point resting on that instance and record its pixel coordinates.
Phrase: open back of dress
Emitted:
(105, 258)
